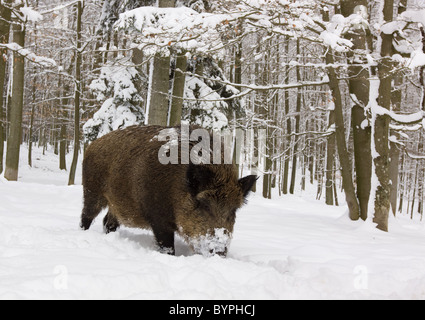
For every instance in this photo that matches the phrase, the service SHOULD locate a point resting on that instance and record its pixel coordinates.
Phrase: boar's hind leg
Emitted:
(92, 207)
(110, 223)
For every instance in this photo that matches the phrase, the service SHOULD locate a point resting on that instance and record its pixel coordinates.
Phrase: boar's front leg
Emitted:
(164, 239)
(110, 223)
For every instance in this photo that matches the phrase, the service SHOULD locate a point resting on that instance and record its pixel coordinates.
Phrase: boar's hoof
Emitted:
(110, 223)
(167, 250)
(85, 223)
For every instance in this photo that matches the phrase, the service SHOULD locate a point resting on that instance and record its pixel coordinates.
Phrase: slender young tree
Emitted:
(77, 94)
(330, 161)
(297, 125)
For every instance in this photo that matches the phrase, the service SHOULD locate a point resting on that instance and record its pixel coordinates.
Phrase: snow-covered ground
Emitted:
(288, 248)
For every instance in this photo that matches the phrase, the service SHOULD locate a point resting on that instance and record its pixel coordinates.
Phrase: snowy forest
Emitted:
(330, 96)
(337, 85)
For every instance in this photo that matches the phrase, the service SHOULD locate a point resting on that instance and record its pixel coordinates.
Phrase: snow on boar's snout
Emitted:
(122, 171)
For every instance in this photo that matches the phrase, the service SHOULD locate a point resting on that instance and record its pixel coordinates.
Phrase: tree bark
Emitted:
(160, 83)
(330, 149)
(178, 90)
(380, 132)
(297, 127)
(15, 128)
(362, 158)
(288, 129)
(63, 102)
(359, 88)
(265, 110)
(381, 127)
(330, 162)
(347, 177)
(31, 125)
(394, 150)
(5, 14)
(77, 94)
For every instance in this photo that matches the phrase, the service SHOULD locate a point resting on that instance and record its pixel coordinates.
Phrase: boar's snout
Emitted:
(213, 243)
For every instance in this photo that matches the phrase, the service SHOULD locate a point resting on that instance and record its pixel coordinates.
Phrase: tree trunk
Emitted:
(77, 95)
(381, 160)
(267, 179)
(159, 88)
(330, 162)
(394, 150)
(62, 143)
(297, 127)
(178, 90)
(330, 185)
(265, 111)
(160, 83)
(288, 130)
(359, 88)
(238, 80)
(5, 14)
(347, 177)
(31, 132)
(15, 128)
(362, 158)
(63, 103)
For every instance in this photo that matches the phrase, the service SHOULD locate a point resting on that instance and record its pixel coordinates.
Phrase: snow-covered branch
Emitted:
(405, 119)
(254, 87)
(43, 61)
(60, 7)
(182, 28)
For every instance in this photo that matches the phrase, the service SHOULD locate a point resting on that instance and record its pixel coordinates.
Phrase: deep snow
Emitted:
(288, 248)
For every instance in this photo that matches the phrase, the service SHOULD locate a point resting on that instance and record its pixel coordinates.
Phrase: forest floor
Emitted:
(291, 247)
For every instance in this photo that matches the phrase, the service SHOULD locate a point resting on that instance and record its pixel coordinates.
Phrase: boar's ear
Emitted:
(198, 178)
(247, 183)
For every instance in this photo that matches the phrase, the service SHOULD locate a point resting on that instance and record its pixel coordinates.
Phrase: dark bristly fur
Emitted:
(121, 171)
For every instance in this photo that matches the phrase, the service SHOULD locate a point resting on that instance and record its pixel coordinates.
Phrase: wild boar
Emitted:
(122, 171)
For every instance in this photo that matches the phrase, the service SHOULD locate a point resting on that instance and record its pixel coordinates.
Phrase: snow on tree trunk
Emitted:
(379, 203)
(380, 99)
